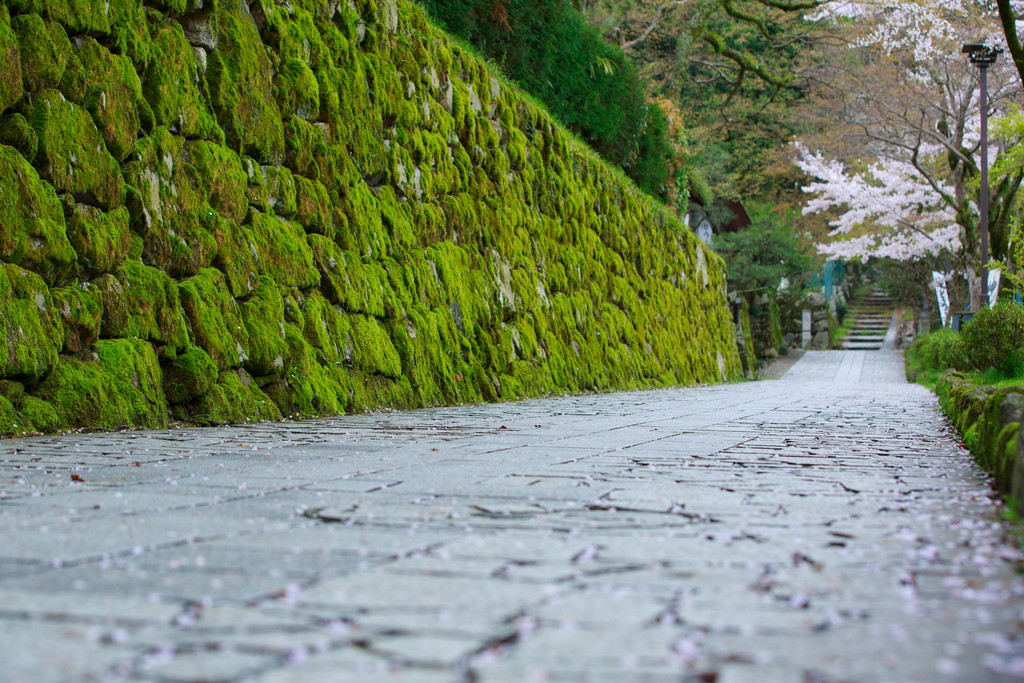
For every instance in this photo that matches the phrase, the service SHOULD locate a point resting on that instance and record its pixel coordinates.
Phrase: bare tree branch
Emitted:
(626, 45)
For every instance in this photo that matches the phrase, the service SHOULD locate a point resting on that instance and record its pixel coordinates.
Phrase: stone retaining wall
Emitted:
(989, 420)
(228, 210)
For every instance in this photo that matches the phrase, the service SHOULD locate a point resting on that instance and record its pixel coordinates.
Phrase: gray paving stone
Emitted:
(822, 526)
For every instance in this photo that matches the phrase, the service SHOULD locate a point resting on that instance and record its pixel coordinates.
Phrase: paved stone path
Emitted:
(819, 528)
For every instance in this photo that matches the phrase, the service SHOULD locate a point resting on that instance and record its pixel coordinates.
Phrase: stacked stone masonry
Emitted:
(220, 210)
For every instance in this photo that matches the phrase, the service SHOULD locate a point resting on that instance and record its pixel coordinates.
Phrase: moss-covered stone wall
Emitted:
(223, 210)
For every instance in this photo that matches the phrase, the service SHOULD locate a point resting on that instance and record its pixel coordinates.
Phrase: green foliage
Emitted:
(761, 255)
(591, 86)
(932, 354)
(907, 282)
(1014, 270)
(734, 68)
(994, 338)
(991, 344)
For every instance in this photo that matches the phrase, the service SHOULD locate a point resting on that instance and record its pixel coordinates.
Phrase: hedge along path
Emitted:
(218, 211)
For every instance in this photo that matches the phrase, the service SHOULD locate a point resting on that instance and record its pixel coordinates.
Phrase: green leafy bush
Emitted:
(591, 86)
(994, 339)
(761, 255)
(931, 354)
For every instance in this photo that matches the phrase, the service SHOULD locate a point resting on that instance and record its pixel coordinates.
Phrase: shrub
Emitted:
(933, 353)
(548, 48)
(994, 339)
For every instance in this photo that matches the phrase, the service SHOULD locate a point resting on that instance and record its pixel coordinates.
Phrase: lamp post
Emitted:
(983, 56)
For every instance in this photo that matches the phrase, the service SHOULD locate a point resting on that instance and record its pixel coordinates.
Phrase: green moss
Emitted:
(236, 256)
(313, 206)
(365, 234)
(10, 63)
(271, 188)
(386, 225)
(49, 46)
(169, 208)
(1004, 452)
(11, 421)
(72, 154)
(120, 386)
(305, 148)
(179, 6)
(142, 302)
(219, 178)
(189, 376)
(12, 391)
(328, 330)
(309, 388)
(297, 90)
(281, 191)
(263, 317)
(282, 251)
(113, 95)
(41, 416)
(234, 398)
(30, 328)
(174, 84)
(240, 75)
(75, 79)
(81, 313)
(347, 281)
(101, 239)
(33, 222)
(214, 318)
(395, 219)
(129, 25)
(81, 16)
(24, 414)
(372, 348)
(16, 132)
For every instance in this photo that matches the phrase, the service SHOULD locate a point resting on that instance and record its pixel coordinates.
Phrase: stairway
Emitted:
(872, 318)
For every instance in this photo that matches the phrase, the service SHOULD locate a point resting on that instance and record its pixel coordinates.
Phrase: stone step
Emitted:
(870, 319)
(863, 346)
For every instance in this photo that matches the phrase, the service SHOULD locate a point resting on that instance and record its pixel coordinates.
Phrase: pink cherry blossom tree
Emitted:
(894, 160)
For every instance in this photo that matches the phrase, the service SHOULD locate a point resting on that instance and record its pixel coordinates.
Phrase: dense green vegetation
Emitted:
(764, 253)
(219, 212)
(549, 49)
(979, 377)
(990, 346)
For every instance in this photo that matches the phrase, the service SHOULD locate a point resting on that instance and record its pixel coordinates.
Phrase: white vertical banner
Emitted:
(939, 283)
(993, 286)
